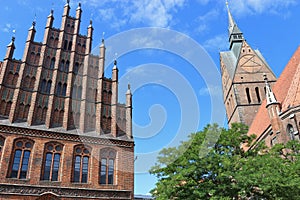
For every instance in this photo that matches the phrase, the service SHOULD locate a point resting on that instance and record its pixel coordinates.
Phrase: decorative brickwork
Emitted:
(57, 113)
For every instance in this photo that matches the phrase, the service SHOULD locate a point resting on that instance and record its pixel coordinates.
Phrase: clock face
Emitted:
(250, 63)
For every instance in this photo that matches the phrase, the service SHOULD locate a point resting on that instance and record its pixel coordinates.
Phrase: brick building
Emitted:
(63, 134)
(253, 95)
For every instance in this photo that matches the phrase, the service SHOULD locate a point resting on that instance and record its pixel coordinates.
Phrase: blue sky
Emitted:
(174, 66)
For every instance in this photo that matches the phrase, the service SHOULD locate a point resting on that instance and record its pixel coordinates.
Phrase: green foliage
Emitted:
(223, 170)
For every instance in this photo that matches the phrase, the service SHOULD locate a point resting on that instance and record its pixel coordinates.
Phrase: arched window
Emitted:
(2, 139)
(51, 161)
(43, 85)
(64, 90)
(248, 95)
(81, 163)
(290, 131)
(20, 162)
(257, 94)
(65, 44)
(58, 90)
(62, 65)
(48, 87)
(52, 63)
(67, 66)
(107, 159)
(70, 45)
(76, 67)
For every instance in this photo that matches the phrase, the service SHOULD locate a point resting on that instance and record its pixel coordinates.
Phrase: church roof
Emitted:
(287, 92)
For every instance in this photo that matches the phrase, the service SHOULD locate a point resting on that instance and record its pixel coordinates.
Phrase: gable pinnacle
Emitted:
(269, 93)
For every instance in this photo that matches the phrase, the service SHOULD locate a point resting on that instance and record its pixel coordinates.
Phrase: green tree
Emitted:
(224, 170)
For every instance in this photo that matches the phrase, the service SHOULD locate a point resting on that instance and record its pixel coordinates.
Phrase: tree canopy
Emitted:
(226, 171)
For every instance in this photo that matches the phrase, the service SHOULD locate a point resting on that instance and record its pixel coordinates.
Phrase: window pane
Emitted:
(55, 167)
(85, 165)
(47, 167)
(103, 172)
(16, 164)
(77, 169)
(24, 165)
(110, 171)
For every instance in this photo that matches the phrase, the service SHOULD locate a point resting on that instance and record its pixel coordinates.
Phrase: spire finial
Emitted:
(13, 35)
(128, 86)
(34, 21)
(115, 61)
(103, 33)
(68, 1)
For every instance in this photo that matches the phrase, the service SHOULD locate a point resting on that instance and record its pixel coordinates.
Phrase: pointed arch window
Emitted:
(64, 89)
(67, 66)
(52, 63)
(81, 164)
(58, 88)
(48, 87)
(2, 139)
(20, 162)
(107, 166)
(291, 131)
(62, 65)
(51, 162)
(248, 95)
(257, 94)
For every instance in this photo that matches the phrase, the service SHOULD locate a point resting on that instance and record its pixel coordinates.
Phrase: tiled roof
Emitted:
(287, 91)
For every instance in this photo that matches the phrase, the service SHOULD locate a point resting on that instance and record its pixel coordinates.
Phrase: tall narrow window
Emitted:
(67, 66)
(107, 166)
(58, 89)
(64, 89)
(2, 139)
(248, 95)
(81, 164)
(48, 87)
(62, 65)
(290, 130)
(65, 44)
(51, 161)
(257, 94)
(52, 63)
(20, 162)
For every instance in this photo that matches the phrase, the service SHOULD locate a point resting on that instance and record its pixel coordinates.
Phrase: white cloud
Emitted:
(204, 20)
(242, 7)
(6, 28)
(157, 13)
(219, 42)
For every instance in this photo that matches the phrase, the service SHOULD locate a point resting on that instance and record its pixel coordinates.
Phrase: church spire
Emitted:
(234, 33)
(271, 99)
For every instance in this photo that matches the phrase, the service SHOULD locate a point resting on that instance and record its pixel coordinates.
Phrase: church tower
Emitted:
(242, 70)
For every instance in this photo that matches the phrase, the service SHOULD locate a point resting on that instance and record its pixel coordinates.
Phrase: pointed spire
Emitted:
(102, 41)
(51, 13)
(115, 62)
(234, 33)
(269, 93)
(129, 89)
(91, 24)
(12, 43)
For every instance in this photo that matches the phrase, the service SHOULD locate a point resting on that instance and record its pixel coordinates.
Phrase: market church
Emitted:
(254, 96)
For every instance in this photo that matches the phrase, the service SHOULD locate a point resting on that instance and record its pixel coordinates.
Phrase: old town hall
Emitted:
(63, 134)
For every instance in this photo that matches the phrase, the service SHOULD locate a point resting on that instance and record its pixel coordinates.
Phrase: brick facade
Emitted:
(58, 94)
(250, 89)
